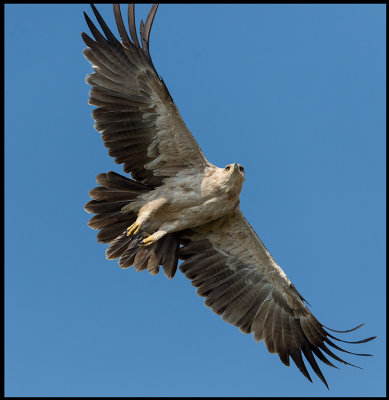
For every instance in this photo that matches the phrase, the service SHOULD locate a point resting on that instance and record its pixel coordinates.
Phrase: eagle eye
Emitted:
(227, 168)
(241, 168)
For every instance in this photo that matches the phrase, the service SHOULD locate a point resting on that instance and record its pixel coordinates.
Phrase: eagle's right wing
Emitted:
(138, 120)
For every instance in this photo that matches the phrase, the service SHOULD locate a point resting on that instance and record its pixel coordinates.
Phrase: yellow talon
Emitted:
(147, 242)
(133, 229)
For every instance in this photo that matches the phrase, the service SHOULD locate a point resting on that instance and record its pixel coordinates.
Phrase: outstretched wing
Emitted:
(138, 120)
(231, 267)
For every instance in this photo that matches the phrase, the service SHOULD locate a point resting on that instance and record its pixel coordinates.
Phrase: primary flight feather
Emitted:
(180, 206)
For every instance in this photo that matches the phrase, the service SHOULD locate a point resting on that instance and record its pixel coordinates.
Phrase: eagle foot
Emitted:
(147, 241)
(133, 229)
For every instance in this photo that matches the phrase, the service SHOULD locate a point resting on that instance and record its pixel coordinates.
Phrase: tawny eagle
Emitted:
(180, 206)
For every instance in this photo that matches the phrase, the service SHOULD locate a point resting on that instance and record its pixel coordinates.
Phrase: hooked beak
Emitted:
(235, 166)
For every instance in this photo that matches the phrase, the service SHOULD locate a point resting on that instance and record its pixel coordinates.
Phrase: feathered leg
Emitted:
(144, 214)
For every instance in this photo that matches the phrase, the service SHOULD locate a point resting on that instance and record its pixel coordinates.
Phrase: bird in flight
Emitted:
(179, 206)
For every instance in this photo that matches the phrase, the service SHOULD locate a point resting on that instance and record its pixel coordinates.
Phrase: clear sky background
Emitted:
(294, 93)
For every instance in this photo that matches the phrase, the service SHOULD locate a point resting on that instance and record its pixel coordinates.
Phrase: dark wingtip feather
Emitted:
(110, 36)
(147, 28)
(298, 360)
(131, 24)
(119, 23)
(312, 362)
(348, 330)
(352, 341)
(95, 32)
(343, 350)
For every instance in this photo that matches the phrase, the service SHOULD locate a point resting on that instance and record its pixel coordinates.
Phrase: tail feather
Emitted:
(128, 257)
(169, 255)
(115, 192)
(97, 207)
(106, 218)
(153, 261)
(111, 194)
(141, 258)
(115, 181)
(111, 232)
(118, 246)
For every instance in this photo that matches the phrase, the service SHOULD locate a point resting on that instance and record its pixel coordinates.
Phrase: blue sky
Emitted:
(294, 93)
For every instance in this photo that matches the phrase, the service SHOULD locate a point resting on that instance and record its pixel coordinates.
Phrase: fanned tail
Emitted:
(115, 192)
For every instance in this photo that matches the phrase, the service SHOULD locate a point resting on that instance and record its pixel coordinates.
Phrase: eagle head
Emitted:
(235, 169)
(235, 176)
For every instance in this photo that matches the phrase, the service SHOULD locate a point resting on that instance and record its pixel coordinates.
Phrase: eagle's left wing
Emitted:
(231, 267)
